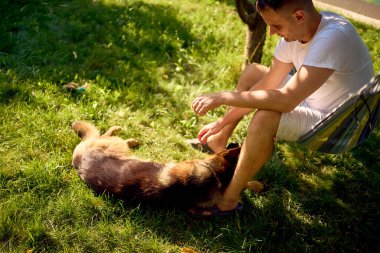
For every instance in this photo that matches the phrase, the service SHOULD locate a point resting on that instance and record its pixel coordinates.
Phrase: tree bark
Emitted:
(256, 31)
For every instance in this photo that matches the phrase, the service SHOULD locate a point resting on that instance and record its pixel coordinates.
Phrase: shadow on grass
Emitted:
(329, 206)
(313, 202)
(115, 46)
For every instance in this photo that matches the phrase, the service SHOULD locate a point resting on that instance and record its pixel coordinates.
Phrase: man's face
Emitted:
(282, 23)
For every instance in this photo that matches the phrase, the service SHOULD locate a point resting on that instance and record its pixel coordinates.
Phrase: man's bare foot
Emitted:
(227, 205)
(215, 211)
(216, 144)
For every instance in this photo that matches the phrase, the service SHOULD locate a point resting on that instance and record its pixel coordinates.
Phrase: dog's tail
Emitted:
(85, 130)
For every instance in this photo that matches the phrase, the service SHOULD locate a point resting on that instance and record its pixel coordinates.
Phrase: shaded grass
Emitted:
(145, 61)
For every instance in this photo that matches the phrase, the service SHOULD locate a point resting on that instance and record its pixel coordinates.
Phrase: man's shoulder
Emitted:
(332, 21)
(332, 17)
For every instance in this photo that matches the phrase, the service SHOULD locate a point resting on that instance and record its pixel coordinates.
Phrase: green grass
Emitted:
(145, 61)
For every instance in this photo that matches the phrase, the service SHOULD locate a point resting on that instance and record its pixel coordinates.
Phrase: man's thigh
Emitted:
(296, 123)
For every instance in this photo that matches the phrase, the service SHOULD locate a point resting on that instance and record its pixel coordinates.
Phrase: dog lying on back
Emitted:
(105, 164)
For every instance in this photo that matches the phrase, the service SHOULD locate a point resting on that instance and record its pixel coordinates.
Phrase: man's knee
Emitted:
(264, 122)
(250, 76)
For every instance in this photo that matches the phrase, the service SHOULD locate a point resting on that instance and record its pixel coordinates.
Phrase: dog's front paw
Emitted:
(112, 131)
(132, 142)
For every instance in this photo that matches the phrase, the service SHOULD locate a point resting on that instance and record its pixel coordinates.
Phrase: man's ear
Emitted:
(299, 15)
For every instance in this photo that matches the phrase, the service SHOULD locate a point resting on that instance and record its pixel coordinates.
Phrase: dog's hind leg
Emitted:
(85, 130)
(112, 131)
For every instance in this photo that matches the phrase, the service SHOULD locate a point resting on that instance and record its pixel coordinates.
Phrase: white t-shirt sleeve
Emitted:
(329, 50)
(283, 51)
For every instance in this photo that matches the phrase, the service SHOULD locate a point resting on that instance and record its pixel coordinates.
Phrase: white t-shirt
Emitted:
(336, 45)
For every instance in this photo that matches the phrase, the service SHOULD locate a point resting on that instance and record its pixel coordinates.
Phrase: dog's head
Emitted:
(230, 157)
(224, 163)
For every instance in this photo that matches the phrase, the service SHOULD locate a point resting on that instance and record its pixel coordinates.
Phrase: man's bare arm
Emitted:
(307, 80)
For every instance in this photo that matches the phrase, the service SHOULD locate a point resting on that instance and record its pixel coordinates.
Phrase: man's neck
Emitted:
(315, 20)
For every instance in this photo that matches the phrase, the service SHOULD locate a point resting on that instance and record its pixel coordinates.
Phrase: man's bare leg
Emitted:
(249, 77)
(255, 152)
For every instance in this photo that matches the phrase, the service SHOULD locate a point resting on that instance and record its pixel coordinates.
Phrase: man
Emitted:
(331, 62)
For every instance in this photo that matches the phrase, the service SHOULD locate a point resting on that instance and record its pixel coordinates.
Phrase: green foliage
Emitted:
(144, 62)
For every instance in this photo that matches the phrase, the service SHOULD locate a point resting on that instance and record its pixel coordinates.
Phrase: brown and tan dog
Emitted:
(105, 164)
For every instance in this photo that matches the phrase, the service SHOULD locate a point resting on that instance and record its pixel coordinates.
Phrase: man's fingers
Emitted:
(201, 133)
(204, 137)
(197, 100)
(200, 109)
(197, 105)
(204, 134)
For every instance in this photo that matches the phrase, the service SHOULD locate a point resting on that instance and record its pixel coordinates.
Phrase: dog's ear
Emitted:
(232, 153)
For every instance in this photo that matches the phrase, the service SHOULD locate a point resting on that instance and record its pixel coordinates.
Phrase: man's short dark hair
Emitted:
(278, 4)
(273, 4)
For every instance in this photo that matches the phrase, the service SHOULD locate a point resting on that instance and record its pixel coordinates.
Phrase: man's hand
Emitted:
(204, 103)
(208, 130)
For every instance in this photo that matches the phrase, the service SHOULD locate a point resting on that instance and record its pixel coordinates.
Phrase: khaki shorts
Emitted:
(298, 122)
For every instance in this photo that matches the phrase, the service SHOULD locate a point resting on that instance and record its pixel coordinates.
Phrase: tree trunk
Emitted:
(256, 31)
